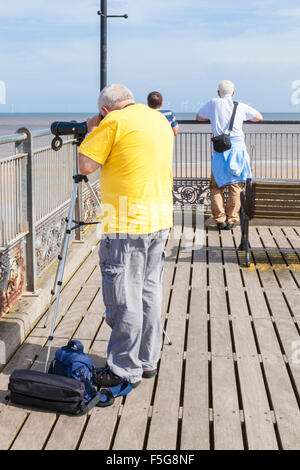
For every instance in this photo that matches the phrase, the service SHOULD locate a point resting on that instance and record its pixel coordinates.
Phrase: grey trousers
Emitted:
(132, 269)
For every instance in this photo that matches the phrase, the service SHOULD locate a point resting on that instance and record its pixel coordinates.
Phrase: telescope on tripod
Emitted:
(79, 130)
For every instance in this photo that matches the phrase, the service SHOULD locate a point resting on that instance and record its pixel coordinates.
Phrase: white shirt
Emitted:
(219, 112)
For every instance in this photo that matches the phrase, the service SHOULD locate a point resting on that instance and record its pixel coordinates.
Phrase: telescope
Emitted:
(58, 128)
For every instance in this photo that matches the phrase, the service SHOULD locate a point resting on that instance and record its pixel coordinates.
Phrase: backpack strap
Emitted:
(233, 116)
(99, 401)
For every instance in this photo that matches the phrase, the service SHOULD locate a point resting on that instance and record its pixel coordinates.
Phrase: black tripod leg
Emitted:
(61, 271)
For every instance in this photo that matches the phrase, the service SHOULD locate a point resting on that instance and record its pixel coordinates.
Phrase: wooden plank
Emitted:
(134, 418)
(226, 415)
(219, 320)
(293, 237)
(100, 427)
(164, 422)
(168, 273)
(279, 384)
(264, 269)
(94, 280)
(293, 300)
(289, 255)
(97, 306)
(258, 419)
(195, 417)
(278, 257)
(256, 299)
(11, 420)
(99, 348)
(66, 433)
(31, 437)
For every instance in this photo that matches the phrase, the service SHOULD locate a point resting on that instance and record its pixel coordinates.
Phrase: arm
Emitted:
(198, 118)
(175, 130)
(86, 165)
(258, 118)
(204, 113)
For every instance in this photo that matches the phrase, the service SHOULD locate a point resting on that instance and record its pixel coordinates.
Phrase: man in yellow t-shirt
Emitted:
(133, 145)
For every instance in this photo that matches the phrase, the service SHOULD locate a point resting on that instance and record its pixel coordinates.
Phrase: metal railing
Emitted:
(273, 153)
(35, 189)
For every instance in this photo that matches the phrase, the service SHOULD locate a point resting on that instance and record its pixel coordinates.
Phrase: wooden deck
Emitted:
(230, 379)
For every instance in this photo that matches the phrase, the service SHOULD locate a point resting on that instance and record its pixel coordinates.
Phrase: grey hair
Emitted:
(113, 94)
(226, 87)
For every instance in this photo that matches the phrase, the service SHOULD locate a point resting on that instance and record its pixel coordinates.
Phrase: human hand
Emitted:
(93, 122)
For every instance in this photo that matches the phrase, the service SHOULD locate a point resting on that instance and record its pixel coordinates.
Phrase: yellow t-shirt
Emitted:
(135, 145)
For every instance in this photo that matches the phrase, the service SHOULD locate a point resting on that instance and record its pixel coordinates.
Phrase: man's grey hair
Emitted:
(226, 87)
(113, 94)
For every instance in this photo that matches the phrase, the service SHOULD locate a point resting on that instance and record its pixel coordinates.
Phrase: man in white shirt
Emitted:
(231, 168)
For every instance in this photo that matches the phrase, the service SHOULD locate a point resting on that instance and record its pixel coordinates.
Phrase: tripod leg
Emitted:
(55, 280)
(61, 272)
(164, 332)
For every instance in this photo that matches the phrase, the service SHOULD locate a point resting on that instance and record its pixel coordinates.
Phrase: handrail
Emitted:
(8, 139)
(19, 137)
(192, 121)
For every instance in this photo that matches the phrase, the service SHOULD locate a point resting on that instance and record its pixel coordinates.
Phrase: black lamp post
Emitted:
(103, 47)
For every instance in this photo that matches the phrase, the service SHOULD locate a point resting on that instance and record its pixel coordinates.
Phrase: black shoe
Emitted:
(222, 225)
(149, 374)
(230, 226)
(105, 378)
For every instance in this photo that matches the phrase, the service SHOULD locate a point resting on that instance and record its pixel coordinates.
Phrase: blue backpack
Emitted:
(70, 361)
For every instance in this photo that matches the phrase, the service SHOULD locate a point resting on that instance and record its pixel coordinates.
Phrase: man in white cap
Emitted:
(230, 168)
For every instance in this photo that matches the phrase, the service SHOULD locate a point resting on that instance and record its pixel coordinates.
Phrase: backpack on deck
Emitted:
(67, 387)
(71, 361)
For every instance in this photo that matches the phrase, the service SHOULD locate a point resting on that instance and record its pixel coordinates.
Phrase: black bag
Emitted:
(221, 143)
(53, 392)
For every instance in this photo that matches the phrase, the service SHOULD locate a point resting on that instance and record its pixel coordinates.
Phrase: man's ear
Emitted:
(232, 93)
(104, 111)
(219, 93)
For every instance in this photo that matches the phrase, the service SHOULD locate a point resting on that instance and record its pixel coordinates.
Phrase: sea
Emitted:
(11, 122)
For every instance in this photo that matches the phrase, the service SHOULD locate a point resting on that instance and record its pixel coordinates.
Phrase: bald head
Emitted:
(226, 88)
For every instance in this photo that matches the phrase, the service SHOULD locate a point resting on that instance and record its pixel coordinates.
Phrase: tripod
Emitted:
(63, 254)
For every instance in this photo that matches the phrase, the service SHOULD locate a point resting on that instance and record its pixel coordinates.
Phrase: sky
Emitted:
(49, 52)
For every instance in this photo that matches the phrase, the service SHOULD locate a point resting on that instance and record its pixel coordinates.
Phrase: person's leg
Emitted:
(151, 341)
(217, 201)
(122, 263)
(233, 202)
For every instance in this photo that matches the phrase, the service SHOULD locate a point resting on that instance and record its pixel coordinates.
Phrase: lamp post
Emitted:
(103, 47)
